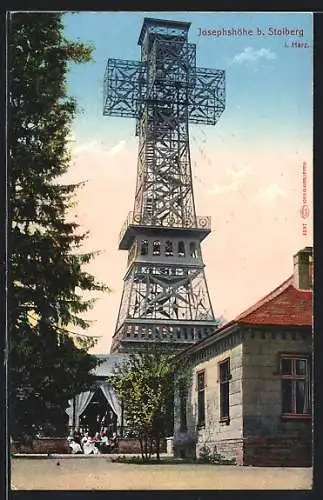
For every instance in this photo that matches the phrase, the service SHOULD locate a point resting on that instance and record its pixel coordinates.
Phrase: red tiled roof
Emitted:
(286, 305)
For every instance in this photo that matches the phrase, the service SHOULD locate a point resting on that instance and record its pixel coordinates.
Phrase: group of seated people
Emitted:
(82, 442)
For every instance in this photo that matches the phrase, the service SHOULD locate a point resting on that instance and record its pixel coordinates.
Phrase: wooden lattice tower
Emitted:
(165, 297)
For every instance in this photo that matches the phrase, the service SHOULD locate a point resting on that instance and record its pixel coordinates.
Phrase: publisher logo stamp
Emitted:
(305, 210)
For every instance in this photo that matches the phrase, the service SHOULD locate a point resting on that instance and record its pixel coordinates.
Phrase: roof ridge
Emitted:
(267, 298)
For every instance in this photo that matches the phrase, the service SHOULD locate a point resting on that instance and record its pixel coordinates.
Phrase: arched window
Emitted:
(193, 252)
(156, 247)
(144, 247)
(168, 248)
(181, 249)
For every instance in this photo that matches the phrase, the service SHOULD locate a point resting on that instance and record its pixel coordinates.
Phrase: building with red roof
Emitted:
(245, 391)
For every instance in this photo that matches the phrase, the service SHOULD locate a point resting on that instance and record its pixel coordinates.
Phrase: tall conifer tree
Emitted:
(46, 264)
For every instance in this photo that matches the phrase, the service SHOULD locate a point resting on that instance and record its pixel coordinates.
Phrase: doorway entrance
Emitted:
(98, 415)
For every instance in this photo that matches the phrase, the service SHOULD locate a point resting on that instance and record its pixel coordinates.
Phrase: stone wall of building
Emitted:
(184, 443)
(132, 446)
(41, 446)
(280, 451)
(224, 437)
(269, 437)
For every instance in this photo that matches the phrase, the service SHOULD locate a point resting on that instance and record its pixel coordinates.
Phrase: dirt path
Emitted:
(101, 474)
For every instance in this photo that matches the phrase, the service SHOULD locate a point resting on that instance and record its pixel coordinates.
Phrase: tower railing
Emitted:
(136, 219)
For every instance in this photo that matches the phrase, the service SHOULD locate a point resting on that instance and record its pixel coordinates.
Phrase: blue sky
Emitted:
(247, 170)
(269, 93)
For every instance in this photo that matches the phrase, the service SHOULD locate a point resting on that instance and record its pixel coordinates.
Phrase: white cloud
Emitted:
(233, 186)
(251, 54)
(236, 175)
(116, 148)
(86, 147)
(98, 147)
(269, 194)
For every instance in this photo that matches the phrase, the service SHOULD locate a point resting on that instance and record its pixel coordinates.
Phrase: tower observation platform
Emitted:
(165, 297)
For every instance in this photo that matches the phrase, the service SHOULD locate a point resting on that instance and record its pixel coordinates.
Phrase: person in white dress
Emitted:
(89, 446)
(75, 447)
